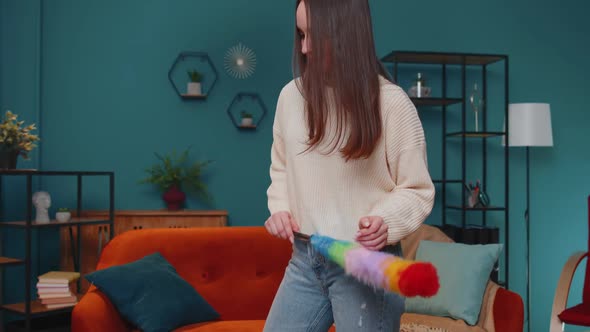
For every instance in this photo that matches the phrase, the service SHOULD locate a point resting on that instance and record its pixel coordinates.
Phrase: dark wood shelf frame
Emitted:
(476, 134)
(442, 58)
(433, 101)
(458, 61)
(30, 308)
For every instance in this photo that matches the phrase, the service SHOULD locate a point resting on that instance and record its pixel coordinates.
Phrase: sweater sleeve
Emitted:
(277, 191)
(410, 202)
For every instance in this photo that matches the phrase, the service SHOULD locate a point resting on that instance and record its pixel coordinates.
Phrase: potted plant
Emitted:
(247, 119)
(194, 84)
(15, 140)
(63, 215)
(174, 174)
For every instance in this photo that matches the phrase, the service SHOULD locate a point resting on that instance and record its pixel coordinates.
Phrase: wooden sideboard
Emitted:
(94, 237)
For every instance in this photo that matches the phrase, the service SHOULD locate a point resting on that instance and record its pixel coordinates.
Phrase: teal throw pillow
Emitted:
(151, 295)
(463, 271)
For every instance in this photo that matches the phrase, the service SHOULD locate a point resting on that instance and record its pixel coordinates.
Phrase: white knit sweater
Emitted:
(327, 195)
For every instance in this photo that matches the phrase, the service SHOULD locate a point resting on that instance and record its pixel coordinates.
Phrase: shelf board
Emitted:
(187, 96)
(466, 208)
(250, 127)
(442, 58)
(153, 213)
(36, 307)
(476, 134)
(54, 223)
(447, 181)
(58, 173)
(430, 101)
(6, 261)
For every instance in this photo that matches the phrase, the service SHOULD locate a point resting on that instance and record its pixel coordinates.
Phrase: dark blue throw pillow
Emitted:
(151, 295)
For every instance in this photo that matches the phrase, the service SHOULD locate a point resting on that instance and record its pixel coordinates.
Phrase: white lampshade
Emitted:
(529, 125)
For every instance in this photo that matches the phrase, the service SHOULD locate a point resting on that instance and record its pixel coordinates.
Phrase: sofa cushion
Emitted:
(242, 289)
(151, 295)
(424, 323)
(464, 271)
(228, 326)
(225, 326)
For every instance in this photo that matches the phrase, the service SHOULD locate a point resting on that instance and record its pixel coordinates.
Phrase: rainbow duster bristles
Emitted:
(379, 269)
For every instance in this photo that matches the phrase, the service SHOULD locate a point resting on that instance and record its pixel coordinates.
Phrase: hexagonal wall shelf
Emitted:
(198, 85)
(246, 110)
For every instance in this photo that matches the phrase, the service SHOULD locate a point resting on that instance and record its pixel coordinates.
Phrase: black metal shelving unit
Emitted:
(30, 308)
(446, 61)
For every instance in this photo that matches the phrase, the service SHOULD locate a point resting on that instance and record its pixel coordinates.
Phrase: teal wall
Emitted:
(20, 92)
(2, 19)
(93, 75)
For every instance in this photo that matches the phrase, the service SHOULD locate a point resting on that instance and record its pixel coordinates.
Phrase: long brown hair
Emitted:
(343, 61)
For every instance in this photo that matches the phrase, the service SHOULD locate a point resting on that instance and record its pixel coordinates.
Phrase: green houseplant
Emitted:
(194, 84)
(174, 174)
(15, 139)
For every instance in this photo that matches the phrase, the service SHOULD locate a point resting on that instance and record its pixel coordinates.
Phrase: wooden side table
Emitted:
(95, 237)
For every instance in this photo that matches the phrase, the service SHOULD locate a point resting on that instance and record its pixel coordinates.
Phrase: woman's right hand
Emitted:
(281, 225)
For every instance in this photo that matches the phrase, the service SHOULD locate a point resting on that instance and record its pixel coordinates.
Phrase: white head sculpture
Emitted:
(42, 202)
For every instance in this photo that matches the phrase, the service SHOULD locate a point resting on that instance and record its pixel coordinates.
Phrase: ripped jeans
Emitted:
(316, 293)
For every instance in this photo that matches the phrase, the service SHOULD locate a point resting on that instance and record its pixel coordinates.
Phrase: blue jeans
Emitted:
(316, 293)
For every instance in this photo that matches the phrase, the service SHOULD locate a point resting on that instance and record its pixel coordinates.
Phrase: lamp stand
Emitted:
(527, 224)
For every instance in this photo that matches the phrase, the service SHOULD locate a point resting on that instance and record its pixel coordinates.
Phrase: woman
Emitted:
(348, 161)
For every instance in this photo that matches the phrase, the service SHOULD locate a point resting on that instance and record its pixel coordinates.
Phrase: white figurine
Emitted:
(42, 202)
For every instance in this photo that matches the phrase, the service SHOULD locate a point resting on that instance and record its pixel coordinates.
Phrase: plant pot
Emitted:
(63, 216)
(174, 198)
(8, 159)
(247, 122)
(194, 89)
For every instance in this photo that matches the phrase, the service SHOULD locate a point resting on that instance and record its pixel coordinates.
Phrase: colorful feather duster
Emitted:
(379, 269)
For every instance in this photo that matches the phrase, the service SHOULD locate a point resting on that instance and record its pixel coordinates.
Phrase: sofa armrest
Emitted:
(508, 311)
(95, 313)
(502, 310)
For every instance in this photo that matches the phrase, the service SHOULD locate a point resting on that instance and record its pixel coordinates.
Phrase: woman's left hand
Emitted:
(372, 233)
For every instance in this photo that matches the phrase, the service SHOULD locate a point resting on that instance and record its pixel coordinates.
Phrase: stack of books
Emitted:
(57, 289)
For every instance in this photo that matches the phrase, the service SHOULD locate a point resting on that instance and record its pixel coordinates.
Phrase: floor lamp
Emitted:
(529, 125)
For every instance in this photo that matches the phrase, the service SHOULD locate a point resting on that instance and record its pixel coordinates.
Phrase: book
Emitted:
(57, 288)
(54, 295)
(67, 299)
(51, 285)
(59, 277)
(53, 290)
(60, 305)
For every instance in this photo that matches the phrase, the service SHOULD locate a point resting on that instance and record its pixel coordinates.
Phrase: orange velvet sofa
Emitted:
(237, 270)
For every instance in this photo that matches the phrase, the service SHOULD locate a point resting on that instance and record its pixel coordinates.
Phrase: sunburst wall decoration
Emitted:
(240, 61)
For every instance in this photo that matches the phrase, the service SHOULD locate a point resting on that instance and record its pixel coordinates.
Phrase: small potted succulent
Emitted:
(15, 140)
(194, 84)
(247, 119)
(63, 215)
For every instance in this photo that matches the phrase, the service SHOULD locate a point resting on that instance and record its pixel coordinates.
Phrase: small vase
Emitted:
(476, 101)
(8, 159)
(174, 198)
(194, 89)
(63, 216)
(247, 122)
